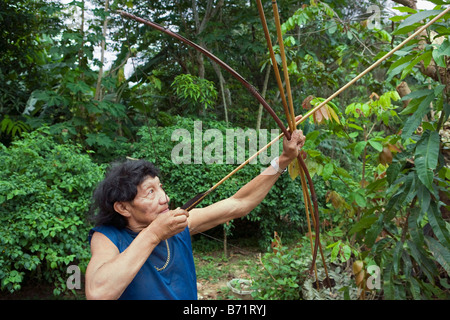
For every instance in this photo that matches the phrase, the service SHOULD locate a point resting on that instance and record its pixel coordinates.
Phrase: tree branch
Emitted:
(407, 3)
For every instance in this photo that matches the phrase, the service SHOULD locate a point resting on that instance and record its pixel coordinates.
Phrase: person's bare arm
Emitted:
(246, 198)
(109, 272)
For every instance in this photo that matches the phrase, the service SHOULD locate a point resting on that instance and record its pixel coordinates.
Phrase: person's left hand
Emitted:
(292, 147)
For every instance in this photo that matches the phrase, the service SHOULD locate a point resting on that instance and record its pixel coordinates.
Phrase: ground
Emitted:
(214, 271)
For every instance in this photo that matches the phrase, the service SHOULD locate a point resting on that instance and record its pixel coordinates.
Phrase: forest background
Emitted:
(82, 87)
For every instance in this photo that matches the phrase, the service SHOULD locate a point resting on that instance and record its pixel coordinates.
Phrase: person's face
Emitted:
(150, 201)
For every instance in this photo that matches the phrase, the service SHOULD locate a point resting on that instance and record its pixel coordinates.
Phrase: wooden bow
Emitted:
(290, 116)
(297, 167)
(292, 124)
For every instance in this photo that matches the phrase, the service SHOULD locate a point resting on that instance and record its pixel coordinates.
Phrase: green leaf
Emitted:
(365, 223)
(392, 172)
(404, 194)
(426, 264)
(414, 104)
(415, 232)
(396, 256)
(407, 24)
(359, 147)
(346, 253)
(441, 52)
(373, 232)
(327, 171)
(417, 94)
(376, 145)
(79, 87)
(440, 253)
(354, 126)
(426, 157)
(388, 283)
(424, 198)
(438, 224)
(415, 120)
(426, 57)
(360, 199)
(415, 288)
(405, 9)
(335, 252)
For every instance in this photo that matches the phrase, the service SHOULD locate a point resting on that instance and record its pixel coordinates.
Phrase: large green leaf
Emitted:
(426, 57)
(397, 255)
(408, 24)
(424, 198)
(426, 264)
(415, 120)
(414, 230)
(403, 196)
(365, 223)
(441, 52)
(426, 157)
(440, 252)
(392, 172)
(398, 66)
(373, 232)
(438, 224)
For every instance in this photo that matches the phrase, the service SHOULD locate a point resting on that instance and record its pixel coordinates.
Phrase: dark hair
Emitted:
(120, 184)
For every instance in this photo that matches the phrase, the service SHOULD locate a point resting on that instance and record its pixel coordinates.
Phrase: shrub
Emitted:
(283, 272)
(45, 191)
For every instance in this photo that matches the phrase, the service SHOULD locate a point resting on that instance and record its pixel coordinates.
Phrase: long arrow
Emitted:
(253, 91)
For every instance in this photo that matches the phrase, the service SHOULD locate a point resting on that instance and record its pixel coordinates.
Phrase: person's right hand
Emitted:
(169, 223)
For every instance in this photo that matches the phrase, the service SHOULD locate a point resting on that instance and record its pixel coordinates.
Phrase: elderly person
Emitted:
(141, 249)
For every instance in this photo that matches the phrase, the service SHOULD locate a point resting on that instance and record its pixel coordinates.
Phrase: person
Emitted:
(142, 250)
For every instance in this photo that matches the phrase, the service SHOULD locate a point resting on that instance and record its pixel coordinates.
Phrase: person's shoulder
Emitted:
(111, 232)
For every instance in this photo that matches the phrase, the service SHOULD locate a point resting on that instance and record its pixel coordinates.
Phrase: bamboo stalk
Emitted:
(284, 63)
(274, 61)
(307, 206)
(302, 169)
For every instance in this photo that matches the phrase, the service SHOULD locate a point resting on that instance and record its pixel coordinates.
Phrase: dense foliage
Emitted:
(84, 87)
(45, 193)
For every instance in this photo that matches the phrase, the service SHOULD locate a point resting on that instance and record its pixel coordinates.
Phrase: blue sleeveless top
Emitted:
(176, 282)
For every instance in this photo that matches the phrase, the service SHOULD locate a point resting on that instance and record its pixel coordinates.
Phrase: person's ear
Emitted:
(122, 208)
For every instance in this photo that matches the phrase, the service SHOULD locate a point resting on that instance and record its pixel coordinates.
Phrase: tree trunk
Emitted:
(263, 94)
(98, 90)
(200, 26)
(403, 90)
(222, 90)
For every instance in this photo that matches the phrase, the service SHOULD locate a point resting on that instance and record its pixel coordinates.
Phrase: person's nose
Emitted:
(164, 198)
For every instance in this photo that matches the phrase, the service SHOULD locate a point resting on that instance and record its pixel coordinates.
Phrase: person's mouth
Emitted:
(165, 210)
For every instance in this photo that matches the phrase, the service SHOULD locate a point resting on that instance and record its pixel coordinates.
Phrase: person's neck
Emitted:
(135, 227)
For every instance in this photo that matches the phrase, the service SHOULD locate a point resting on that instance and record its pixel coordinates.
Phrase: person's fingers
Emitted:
(181, 212)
